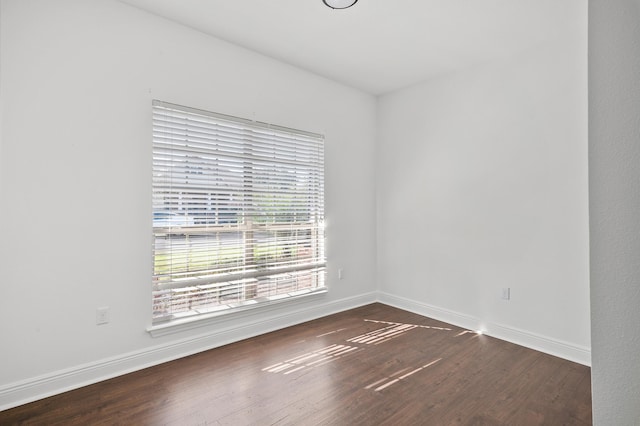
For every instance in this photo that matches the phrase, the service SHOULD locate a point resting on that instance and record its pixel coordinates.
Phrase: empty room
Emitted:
(310, 212)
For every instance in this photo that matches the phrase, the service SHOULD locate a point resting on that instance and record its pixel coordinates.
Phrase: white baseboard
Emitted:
(18, 393)
(568, 351)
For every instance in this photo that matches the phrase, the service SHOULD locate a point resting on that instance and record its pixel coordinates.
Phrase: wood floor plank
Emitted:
(374, 365)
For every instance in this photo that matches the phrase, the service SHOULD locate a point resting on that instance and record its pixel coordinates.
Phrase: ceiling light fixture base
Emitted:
(339, 4)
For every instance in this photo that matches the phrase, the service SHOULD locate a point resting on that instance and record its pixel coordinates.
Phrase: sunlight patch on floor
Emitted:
(390, 380)
(333, 352)
(312, 359)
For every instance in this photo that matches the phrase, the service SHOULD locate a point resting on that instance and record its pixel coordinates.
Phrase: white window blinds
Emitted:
(238, 212)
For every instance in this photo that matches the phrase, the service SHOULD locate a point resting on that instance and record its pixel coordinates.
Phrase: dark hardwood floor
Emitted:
(374, 365)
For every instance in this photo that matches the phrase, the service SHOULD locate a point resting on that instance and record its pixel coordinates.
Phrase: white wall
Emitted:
(614, 182)
(482, 185)
(77, 80)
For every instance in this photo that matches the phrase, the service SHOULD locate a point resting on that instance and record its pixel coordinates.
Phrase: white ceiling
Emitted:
(377, 45)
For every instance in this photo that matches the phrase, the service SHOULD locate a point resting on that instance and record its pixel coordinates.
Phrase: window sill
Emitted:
(227, 312)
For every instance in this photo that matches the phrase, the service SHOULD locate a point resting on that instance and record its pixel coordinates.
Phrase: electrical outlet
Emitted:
(102, 315)
(506, 293)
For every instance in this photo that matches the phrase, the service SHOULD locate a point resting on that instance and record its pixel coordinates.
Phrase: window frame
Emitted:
(305, 266)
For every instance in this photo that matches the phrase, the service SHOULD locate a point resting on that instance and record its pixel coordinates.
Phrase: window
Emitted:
(238, 212)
